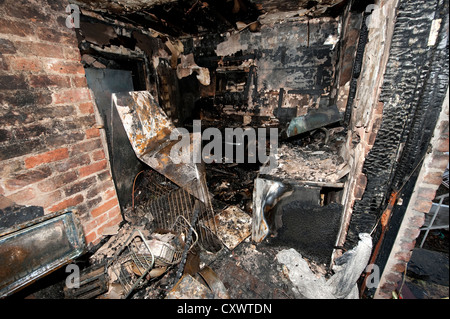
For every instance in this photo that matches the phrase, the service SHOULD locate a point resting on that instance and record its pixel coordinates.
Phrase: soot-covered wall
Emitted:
(270, 74)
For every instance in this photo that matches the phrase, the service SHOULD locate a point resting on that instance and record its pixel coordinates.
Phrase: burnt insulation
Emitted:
(415, 83)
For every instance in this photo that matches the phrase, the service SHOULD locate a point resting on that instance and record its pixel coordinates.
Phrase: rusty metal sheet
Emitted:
(149, 129)
(34, 249)
(233, 226)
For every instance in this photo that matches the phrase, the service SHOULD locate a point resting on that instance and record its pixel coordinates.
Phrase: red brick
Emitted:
(109, 193)
(362, 181)
(393, 277)
(57, 181)
(422, 205)
(87, 146)
(371, 140)
(104, 207)
(3, 65)
(408, 245)
(41, 49)
(16, 28)
(434, 178)
(72, 53)
(388, 288)
(383, 293)
(42, 81)
(48, 157)
(13, 82)
(79, 81)
(99, 189)
(443, 129)
(29, 177)
(439, 161)
(86, 108)
(111, 220)
(102, 219)
(92, 132)
(426, 193)
(98, 155)
(23, 197)
(70, 96)
(27, 10)
(442, 145)
(79, 186)
(359, 192)
(115, 216)
(73, 201)
(400, 267)
(417, 221)
(66, 67)
(47, 200)
(31, 64)
(89, 226)
(403, 256)
(91, 238)
(93, 168)
(73, 162)
(411, 233)
(52, 35)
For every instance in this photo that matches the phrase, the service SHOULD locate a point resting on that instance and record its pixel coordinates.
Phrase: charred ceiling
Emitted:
(194, 17)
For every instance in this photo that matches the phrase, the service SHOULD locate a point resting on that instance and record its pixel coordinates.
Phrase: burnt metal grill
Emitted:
(132, 262)
(172, 208)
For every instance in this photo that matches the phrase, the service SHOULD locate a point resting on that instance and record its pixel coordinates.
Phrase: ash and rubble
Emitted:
(244, 269)
(312, 158)
(214, 243)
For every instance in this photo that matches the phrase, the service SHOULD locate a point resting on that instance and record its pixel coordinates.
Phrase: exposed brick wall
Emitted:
(51, 153)
(428, 182)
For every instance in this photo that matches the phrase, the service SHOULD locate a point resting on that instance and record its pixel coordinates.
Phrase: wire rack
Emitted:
(132, 262)
(171, 207)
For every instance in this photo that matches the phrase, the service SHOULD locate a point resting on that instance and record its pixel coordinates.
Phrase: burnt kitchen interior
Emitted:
(214, 230)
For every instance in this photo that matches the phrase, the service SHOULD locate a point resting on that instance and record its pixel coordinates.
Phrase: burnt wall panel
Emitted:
(414, 87)
(277, 72)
